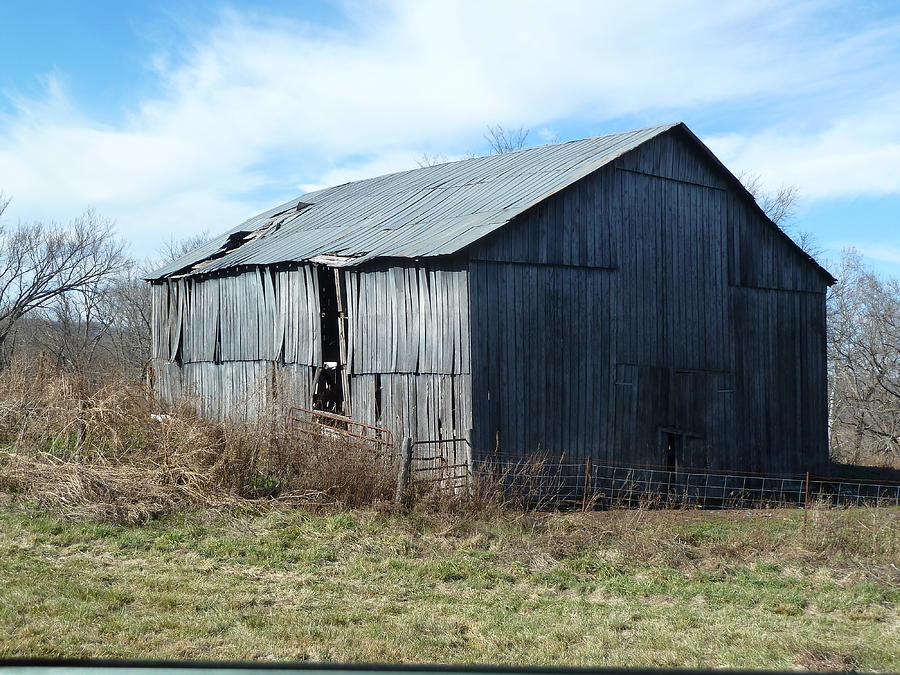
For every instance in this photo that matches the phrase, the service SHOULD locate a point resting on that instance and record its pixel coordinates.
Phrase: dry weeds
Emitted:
(110, 449)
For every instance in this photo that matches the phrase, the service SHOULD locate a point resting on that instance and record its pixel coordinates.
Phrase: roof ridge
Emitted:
(532, 148)
(405, 213)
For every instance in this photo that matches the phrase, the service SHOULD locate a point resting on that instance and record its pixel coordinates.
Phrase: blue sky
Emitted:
(174, 118)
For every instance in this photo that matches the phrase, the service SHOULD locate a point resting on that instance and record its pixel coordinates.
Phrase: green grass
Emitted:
(689, 589)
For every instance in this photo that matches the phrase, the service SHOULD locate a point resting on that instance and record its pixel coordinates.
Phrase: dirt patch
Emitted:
(823, 661)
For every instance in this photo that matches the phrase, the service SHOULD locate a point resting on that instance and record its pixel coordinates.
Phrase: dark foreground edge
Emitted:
(22, 665)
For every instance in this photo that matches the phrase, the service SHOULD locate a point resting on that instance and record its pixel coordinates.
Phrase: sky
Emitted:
(175, 118)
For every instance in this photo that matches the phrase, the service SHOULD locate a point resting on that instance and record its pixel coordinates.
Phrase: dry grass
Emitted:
(109, 449)
(106, 448)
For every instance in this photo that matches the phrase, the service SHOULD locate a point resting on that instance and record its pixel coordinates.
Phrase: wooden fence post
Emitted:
(806, 500)
(403, 472)
(587, 483)
(470, 468)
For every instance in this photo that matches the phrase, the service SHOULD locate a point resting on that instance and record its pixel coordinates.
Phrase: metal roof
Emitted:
(434, 210)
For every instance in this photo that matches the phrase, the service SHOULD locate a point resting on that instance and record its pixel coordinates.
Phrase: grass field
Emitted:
(635, 588)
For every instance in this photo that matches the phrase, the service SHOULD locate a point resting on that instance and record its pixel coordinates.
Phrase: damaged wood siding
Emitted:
(424, 407)
(297, 319)
(408, 352)
(408, 320)
(233, 342)
(201, 325)
(254, 316)
(167, 379)
(238, 389)
(294, 384)
(245, 320)
(167, 315)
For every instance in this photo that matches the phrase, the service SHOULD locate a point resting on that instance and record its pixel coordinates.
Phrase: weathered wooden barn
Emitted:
(621, 297)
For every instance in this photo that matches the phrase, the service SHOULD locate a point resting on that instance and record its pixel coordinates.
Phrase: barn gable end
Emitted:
(620, 314)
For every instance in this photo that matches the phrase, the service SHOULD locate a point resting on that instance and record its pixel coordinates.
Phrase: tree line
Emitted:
(71, 293)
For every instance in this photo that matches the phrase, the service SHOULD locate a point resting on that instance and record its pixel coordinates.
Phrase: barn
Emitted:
(621, 298)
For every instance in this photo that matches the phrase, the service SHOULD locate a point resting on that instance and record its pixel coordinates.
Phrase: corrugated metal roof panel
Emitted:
(435, 210)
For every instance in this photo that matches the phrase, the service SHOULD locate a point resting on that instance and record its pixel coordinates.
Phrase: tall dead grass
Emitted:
(109, 448)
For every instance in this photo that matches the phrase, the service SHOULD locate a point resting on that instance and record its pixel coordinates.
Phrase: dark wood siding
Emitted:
(671, 156)
(760, 256)
(622, 310)
(541, 356)
(577, 227)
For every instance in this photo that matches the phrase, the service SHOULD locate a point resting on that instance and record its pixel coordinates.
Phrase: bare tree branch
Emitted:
(780, 205)
(175, 247)
(506, 140)
(864, 363)
(431, 160)
(40, 265)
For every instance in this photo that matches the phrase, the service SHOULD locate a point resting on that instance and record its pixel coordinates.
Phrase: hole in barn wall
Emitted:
(378, 399)
(329, 389)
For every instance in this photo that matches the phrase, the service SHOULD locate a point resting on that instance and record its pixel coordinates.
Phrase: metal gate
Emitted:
(307, 421)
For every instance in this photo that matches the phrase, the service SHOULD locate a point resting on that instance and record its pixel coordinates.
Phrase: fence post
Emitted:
(403, 472)
(587, 483)
(470, 469)
(806, 500)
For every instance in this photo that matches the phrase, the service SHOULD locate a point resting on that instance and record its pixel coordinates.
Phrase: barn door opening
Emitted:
(332, 388)
(672, 450)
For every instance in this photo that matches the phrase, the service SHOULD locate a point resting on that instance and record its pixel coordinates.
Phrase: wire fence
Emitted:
(545, 481)
(555, 482)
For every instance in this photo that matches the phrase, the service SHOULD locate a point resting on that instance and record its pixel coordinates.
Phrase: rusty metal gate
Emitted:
(308, 421)
(441, 468)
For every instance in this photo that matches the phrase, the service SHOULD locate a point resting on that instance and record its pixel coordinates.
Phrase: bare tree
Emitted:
(779, 205)
(125, 308)
(71, 331)
(499, 139)
(175, 247)
(864, 364)
(431, 159)
(40, 265)
(506, 140)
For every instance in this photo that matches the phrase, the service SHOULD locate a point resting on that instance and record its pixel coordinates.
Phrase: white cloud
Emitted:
(262, 105)
(884, 252)
(855, 154)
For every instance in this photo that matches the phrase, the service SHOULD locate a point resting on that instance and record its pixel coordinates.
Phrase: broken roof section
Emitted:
(435, 210)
